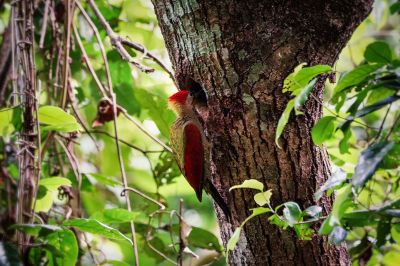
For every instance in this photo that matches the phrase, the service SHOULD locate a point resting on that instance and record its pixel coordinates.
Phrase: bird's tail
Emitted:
(210, 188)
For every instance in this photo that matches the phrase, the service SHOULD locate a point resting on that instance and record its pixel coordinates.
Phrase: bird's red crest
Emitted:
(179, 97)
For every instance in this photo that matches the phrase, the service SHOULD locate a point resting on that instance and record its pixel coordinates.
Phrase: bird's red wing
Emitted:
(194, 158)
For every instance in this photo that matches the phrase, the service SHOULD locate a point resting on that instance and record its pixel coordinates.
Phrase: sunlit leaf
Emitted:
(300, 78)
(106, 180)
(378, 52)
(263, 198)
(233, 240)
(48, 190)
(369, 162)
(57, 119)
(342, 203)
(250, 183)
(115, 215)
(283, 120)
(97, 228)
(323, 129)
(356, 76)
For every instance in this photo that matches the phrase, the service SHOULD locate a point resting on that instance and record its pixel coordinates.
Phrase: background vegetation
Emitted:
(80, 213)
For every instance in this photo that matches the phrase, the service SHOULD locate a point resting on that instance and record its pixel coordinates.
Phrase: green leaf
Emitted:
(341, 204)
(48, 191)
(65, 242)
(356, 76)
(395, 233)
(338, 235)
(344, 142)
(382, 231)
(378, 52)
(283, 120)
(302, 97)
(6, 127)
(327, 225)
(395, 8)
(106, 180)
(391, 258)
(9, 255)
(57, 119)
(97, 228)
(233, 240)
(369, 162)
(313, 211)
(115, 215)
(258, 211)
(323, 130)
(201, 238)
(303, 231)
(250, 183)
(53, 183)
(297, 80)
(337, 178)
(263, 198)
(292, 212)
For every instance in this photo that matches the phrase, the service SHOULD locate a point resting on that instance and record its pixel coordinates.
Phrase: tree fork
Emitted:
(240, 52)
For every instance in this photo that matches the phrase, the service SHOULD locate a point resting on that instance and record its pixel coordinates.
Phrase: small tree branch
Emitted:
(116, 40)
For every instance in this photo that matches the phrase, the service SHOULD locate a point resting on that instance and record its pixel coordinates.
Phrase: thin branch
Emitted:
(116, 40)
(87, 61)
(383, 122)
(181, 234)
(44, 24)
(162, 207)
(102, 50)
(142, 49)
(138, 125)
(67, 44)
(124, 142)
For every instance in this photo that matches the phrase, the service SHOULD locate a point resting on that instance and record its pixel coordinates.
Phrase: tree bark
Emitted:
(240, 52)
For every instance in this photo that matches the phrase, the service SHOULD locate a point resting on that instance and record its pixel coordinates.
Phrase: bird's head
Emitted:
(180, 101)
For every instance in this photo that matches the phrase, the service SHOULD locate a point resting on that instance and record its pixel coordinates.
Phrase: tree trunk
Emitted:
(240, 52)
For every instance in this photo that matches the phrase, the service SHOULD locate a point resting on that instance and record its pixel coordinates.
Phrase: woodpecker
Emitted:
(191, 149)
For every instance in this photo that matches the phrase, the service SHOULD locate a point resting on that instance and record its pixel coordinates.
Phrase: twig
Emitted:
(383, 122)
(162, 207)
(181, 236)
(392, 128)
(116, 40)
(123, 176)
(67, 44)
(162, 144)
(142, 49)
(144, 152)
(44, 24)
(102, 51)
(87, 61)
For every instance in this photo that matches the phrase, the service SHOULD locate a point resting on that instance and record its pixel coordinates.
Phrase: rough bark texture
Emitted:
(240, 52)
